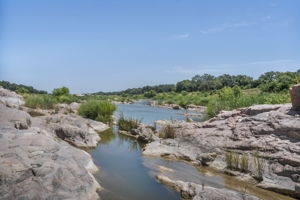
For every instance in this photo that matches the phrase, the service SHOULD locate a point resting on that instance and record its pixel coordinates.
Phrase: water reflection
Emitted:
(122, 173)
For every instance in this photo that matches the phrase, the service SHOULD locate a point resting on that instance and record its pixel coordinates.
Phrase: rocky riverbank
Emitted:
(259, 143)
(190, 107)
(38, 159)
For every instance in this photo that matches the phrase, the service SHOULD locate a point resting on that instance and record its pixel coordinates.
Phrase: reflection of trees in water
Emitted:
(107, 136)
(133, 145)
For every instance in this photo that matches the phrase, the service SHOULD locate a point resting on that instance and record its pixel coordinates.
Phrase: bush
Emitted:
(40, 101)
(150, 94)
(232, 98)
(22, 90)
(167, 132)
(66, 98)
(97, 110)
(127, 124)
(60, 91)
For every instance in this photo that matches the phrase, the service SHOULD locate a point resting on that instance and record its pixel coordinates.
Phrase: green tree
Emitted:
(60, 91)
(150, 94)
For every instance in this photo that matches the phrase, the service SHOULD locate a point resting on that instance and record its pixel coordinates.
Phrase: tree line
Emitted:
(267, 82)
(19, 88)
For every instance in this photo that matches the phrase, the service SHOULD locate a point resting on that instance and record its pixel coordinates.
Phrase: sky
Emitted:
(111, 45)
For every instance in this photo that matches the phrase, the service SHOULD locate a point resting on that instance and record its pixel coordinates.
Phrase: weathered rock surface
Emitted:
(36, 165)
(144, 133)
(10, 98)
(295, 97)
(271, 130)
(194, 191)
(72, 128)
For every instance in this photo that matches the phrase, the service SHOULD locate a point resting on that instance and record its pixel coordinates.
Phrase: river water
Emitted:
(127, 175)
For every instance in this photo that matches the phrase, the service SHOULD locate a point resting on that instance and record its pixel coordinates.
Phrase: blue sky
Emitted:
(108, 45)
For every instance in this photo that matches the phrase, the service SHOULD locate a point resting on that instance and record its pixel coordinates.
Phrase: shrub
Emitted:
(150, 94)
(127, 124)
(167, 132)
(40, 101)
(22, 90)
(97, 110)
(60, 91)
(66, 98)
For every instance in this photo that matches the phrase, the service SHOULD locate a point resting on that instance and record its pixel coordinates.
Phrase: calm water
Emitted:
(149, 114)
(127, 175)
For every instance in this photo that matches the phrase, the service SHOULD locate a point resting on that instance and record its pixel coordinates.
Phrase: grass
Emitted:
(259, 164)
(229, 159)
(97, 110)
(227, 100)
(40, 101)
(127, 124)
(167, 132)
(244, 163)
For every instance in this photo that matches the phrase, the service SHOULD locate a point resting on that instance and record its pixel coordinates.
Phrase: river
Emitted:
(127, 175)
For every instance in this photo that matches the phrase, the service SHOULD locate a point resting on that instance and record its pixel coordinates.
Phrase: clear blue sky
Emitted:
(108, 45)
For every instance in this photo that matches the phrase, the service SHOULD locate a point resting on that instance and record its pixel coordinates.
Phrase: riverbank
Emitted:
(39, 158)
(190, 107)
(258, 143)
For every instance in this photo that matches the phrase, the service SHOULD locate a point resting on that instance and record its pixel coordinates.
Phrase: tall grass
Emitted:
(127, 124)
(227, 99)
(40, 101)
(97, 110)
(259, 164)
(167, 132)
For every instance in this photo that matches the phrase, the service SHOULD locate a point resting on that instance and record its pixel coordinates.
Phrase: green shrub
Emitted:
(127, 124)
(97, 110)
(167, 132)
(40, 101)
(232, 98)
(60, 91)
(22, 90)
(150, 94)
(66, 98)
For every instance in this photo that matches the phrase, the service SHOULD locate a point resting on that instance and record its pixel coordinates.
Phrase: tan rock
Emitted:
(295, 97)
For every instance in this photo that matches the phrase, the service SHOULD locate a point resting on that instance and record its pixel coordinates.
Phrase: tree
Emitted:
(60, 91)
(150, 94)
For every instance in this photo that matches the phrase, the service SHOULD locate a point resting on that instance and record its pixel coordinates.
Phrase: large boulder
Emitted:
(295, 97)
(10, 98)
(36, 165)
(72, 128)
(269, 134)
(189, 190)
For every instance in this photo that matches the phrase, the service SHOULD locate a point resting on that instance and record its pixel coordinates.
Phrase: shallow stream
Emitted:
(126, 174)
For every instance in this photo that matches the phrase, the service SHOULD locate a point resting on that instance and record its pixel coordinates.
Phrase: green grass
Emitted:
(127, 124)
(40, 101)
(97, 110)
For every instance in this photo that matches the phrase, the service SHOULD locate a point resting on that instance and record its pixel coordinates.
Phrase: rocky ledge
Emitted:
(36, 158)
(262, 141)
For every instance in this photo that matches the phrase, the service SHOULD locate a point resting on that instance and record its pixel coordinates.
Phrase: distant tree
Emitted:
(22, 90)
(185, 85)
(150, 94)
(15, 87)
(60, 91)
